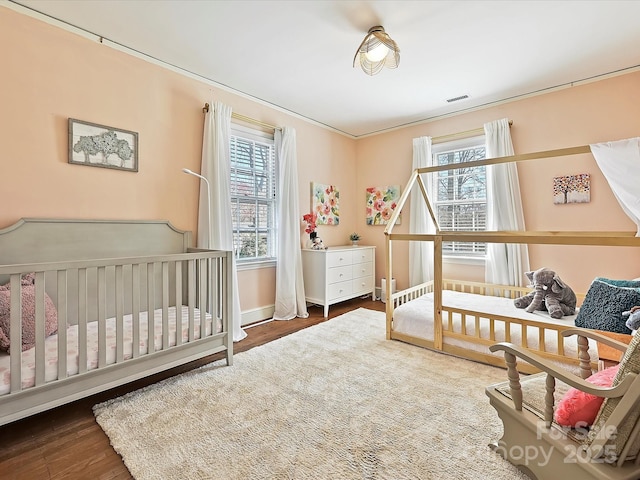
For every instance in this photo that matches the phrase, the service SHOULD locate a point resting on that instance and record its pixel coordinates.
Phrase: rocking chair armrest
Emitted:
(566, 377)
(593, 335)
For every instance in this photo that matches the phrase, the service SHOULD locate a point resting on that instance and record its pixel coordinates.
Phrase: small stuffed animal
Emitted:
(633, 320)
(550, 294)
(317, 244)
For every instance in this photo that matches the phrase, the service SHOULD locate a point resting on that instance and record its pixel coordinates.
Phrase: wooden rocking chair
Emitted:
(544, 450)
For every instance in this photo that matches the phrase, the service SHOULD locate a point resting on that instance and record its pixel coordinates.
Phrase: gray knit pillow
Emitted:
(603, 306)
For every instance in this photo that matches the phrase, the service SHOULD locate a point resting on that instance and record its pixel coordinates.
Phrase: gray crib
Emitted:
(102, 303)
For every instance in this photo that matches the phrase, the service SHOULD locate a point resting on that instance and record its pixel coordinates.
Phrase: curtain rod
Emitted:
(244, 118)
(468, 133)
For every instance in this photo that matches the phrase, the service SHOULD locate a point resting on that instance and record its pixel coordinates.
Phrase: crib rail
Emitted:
(100, 294)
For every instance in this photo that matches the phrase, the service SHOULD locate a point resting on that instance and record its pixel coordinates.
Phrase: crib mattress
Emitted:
(415, 318)
(51, 345)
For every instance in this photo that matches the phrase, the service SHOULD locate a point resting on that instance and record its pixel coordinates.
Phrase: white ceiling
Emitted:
(297, 55)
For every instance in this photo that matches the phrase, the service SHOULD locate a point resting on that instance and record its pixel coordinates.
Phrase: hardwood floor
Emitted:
(67, 443)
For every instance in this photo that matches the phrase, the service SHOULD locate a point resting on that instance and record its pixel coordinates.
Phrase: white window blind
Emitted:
(253, 194)
(461, 193)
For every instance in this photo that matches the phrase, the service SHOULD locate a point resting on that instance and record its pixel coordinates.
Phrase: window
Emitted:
(253, 194)
(461, 194)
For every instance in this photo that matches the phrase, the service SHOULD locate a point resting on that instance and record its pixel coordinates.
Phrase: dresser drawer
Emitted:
(340, 289)
(339, 258)
(362, 255)
(339, 274)
(362, 285)
(362, 270)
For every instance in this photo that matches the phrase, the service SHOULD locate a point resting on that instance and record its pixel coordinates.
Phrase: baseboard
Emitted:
(257, 314)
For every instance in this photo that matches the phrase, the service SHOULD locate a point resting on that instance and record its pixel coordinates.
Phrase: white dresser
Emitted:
(338, 274)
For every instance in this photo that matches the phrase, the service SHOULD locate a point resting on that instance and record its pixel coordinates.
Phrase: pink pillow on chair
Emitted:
(578, 407)
(28, 314)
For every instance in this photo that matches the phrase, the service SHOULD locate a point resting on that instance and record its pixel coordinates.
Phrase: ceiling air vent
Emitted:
(455, 99)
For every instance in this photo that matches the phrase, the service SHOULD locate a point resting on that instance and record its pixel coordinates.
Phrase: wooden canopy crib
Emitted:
(103, 303)
(469, 330)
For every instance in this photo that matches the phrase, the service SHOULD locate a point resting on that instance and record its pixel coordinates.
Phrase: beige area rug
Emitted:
(334, 401)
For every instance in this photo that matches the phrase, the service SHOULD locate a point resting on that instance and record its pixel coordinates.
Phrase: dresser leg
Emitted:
(326, 311)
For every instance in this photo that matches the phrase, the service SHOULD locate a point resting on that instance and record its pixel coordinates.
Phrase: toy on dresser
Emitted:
(317, 244)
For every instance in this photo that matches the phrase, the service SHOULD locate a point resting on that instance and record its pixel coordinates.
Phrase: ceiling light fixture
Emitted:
(376, 51)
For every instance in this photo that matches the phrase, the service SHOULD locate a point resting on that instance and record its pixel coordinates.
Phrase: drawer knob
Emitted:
(341, 275)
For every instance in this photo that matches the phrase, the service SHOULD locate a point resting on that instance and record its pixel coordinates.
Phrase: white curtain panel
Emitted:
(619, 162)
(506, 263)
(290, 301)
(215, 226)
(421, 253)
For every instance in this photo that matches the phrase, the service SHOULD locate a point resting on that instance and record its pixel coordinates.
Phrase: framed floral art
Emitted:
(381, 202)
(325, 203)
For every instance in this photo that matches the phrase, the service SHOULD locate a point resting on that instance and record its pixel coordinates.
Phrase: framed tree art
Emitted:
(572, 189)
(102, 146)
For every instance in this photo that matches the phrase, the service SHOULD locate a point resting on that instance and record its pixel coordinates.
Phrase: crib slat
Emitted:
(151, 347)
(165, 305)
(191, 286)
(16, 333)
(202, 303)
(178, 303)
(39, 329)
(135, 302)
(102, 317)
(63, 323)
(523, 335)
(215, 275)
(119, 294)
(82, 320)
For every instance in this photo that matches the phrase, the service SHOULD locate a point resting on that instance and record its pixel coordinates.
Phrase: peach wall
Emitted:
(50, 74)
(589, 113)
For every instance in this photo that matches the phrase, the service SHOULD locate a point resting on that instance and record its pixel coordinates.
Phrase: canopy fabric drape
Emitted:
(421, 253)
(215, 225)
(505, 263)
(619, 162)
(290, 297)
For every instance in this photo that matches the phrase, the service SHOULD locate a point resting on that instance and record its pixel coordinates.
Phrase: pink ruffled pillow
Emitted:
(579, 408)
(28, 314)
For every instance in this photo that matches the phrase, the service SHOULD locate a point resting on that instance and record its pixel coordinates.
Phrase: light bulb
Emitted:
(377, 53)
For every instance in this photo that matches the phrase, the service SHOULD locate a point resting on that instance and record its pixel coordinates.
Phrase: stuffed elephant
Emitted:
(550, 294)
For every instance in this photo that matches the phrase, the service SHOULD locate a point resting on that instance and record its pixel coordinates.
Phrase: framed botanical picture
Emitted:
(325, 203)
(381, 202)
(572, 189)
(102, 146)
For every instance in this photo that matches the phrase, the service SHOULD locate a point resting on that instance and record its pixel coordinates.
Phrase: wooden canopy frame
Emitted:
(525, 237)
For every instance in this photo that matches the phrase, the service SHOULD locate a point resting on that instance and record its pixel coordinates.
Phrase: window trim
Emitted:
(256, 135)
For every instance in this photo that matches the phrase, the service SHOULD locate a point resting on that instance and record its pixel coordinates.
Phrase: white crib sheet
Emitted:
(51, 345)
(415, 318)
